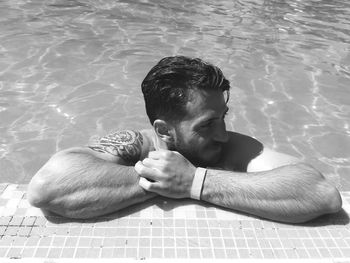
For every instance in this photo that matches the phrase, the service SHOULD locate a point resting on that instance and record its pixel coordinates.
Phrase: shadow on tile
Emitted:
(164, 205)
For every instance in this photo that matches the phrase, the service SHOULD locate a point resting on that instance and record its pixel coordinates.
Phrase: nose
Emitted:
(221, 135)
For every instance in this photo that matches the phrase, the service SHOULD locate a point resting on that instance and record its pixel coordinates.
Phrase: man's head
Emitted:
(182, 95)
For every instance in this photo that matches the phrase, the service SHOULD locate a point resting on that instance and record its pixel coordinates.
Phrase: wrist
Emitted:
(197, 183)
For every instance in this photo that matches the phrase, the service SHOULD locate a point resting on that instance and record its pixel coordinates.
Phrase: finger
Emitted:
(160, 154)
(150, 163)
(145, 184)
(149, 186)
(150, 173)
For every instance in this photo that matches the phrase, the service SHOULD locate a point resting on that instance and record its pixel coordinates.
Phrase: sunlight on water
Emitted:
(72, 69)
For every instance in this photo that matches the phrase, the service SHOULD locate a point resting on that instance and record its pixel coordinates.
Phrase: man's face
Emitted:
(200, 136)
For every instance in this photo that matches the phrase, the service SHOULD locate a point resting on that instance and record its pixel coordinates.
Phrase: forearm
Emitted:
(79, 185)
(293, 193)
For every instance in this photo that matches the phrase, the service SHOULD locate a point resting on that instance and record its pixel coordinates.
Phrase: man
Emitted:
(187, 154)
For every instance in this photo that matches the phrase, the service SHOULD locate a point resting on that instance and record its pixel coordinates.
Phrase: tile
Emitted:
(24, 231)
(67, 252)
(181, 253)
(217, 242)
(45, 241)
(84, 242)
(61, 231)
(3, 251)
(329, 242)
(324, 252)
(16, 221)
(132, 242)
(192, 232)
(58, 241)
(27, 252)
(133, 232)
(145, 232)
(2, 230)
(168, 242)
(96, 242)
(71, 241)
(41, 252)
(194, 253)
(144, 242)
(275, 243)
(11, 230)
(193, 242)
(255, 253)
(252, 243)
(144, 253)
(335, 252)
(157, 242)
(19, 241)
(14, 252)
(180, 232)
(54, 252)
(181, 242)
(206, 242)
(157, 231)
(119, 252)
(206, 253)
(156, 252)
(244, 253)
(214, 232)
(302, 253)
(32, 241)
(107, 252)
(80, 253)
(280, 253)
(29, 221)
(267, 253)
(74, 231)
(6, 241)
(169, 252)
(345, 252)
(314, 253)
(340, 242)
(308, 243)
(203, 232)
(94, 252)
(86, 231)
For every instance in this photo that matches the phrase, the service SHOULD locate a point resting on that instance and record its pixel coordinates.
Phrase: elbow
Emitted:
(41, 189)
(38, 192)
(325, 197)
(333, 199)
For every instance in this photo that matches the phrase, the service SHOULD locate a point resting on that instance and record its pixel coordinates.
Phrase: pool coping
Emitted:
(165, 228)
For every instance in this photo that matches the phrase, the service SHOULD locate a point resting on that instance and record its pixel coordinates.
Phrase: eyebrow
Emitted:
(214, 118)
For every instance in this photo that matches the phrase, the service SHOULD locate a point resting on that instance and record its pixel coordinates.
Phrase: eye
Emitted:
(206, 125)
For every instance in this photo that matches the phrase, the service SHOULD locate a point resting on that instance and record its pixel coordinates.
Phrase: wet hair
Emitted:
(166, 87)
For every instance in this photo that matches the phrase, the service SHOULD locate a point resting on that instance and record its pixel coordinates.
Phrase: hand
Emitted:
(168, 172)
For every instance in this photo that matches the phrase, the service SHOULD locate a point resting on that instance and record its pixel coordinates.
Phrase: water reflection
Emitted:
(71, 69)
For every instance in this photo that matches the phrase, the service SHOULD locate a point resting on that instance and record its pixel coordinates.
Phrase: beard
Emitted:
(193, 154)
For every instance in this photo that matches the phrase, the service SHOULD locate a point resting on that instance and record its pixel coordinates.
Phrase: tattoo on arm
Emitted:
(124, 144)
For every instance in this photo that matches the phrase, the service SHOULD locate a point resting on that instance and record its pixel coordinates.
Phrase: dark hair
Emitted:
(165, 88)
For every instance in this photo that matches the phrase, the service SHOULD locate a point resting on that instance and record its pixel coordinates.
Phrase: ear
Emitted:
(163, 130)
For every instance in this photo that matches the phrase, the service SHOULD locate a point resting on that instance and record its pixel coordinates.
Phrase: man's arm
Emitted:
(91, 181)
(291, 193)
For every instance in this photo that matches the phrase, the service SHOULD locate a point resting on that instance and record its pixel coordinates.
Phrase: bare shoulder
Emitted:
(246, 154)
(269, 159)
(122, 146)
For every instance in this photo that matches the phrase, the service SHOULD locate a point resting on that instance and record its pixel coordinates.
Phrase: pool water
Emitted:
(72, 69)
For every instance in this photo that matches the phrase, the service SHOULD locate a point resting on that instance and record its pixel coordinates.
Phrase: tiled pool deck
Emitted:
(164, 228)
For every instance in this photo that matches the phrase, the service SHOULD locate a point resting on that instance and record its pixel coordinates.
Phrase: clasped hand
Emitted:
(166, 173)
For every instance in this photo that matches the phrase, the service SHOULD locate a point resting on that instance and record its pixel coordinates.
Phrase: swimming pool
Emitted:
(72, 69)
